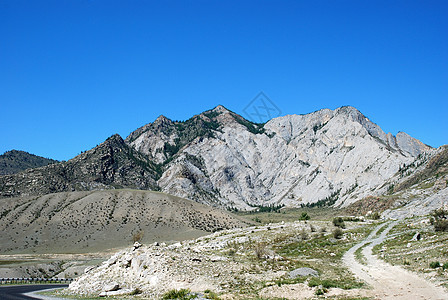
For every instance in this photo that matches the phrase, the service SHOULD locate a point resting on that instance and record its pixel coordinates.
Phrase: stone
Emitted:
(416, 237)
(174, 246)
(303, 272)
(111, 287)
(136, 246)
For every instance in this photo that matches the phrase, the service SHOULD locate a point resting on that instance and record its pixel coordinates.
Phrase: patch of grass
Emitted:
(287, 280)
(434, 264)
(342, 283)
(211, 295)
(179, 294)
(291, 214)
(359, 256)
(260, 250)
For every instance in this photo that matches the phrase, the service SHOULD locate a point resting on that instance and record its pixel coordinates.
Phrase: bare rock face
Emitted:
(327, 157)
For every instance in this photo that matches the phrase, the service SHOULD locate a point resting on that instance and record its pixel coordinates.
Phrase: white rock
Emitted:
(111, 287)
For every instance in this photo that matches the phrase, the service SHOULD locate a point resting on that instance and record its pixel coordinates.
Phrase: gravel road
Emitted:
(387, 281)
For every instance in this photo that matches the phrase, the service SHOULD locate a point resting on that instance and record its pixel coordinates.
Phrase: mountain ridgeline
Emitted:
(16, 161)
(220, 159)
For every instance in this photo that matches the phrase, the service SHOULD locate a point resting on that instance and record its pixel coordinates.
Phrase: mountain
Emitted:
(328, 156)
(15, 161)
(113, 164)
(73, 222)
(219, 158)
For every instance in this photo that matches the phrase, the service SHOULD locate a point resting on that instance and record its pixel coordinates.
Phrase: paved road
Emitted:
(16, 292)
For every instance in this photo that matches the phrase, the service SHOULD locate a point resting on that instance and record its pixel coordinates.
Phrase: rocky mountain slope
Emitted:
(327, 156)
(218, 158)
(416, 189)
(113, 164)
(15, 161)
(93, 221)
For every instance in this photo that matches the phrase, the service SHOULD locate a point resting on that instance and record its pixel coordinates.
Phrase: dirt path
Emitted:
(387, 281)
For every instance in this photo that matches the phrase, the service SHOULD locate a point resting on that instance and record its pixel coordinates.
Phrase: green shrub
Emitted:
(434, 264)
(440, 220)
(321, 291)
(211, 295)
(445, 266)
(136, 291)
(375, 216)
(183, 294)
(304, 216)
(441, 225)
(339, 222)
(338, 233)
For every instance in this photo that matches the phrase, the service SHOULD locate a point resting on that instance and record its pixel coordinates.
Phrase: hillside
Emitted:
(15, 161)
(94, 221)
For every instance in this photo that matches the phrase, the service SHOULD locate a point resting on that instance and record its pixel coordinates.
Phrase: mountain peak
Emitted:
(220, 108)
(115, 138)
(162, 119)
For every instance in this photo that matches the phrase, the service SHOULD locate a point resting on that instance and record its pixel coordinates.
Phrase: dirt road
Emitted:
(387, 281)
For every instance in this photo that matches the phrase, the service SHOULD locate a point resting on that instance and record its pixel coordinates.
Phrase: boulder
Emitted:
(303, 272)
(111, 287)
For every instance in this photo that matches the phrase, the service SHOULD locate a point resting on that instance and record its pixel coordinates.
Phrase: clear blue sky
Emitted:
(73, 72)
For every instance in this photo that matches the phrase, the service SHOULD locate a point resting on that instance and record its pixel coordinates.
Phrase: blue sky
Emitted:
(73, 73)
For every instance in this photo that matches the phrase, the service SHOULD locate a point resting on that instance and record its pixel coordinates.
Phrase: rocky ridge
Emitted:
(329, 156)
(218, 158)
(112, 164)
